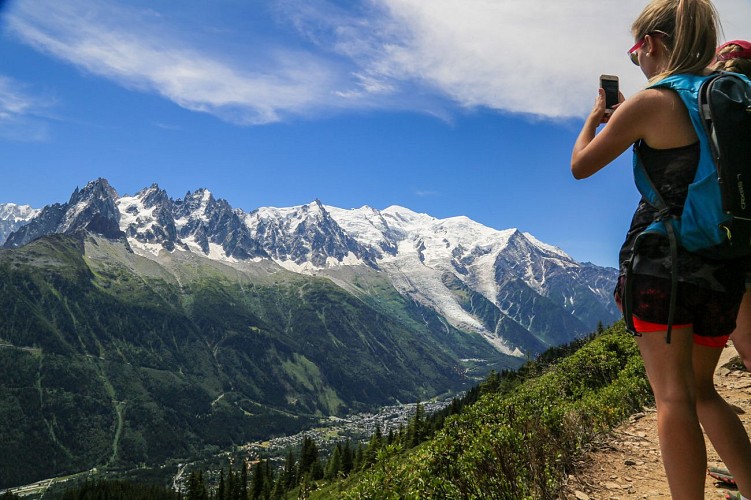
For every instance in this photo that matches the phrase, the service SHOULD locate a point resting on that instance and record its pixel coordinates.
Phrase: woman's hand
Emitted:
(609, 112)
(600, 114)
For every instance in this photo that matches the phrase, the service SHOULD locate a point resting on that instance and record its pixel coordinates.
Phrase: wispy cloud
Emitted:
(167, 126)
(118, 44)
(424, 193)
(521, 56)
(21, 111)
(535, 57)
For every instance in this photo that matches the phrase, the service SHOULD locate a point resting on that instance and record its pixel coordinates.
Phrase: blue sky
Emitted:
(447, 107)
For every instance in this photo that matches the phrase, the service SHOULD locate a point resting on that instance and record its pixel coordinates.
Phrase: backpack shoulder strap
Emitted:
(662, 219)
(687, 87)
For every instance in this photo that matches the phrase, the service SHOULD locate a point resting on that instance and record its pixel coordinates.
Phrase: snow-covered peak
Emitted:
(287, 218)
(147, 220)
(498, 283)
(434, 239)
(549, 248)
(367, 225)
(405, 218)
(13, 216)
(195, 205)
(94, 203)
(305, 238)
(11, 211)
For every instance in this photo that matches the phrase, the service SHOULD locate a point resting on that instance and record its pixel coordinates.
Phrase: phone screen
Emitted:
(611, 92)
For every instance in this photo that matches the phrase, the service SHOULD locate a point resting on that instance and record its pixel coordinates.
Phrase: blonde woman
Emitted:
(674, 43)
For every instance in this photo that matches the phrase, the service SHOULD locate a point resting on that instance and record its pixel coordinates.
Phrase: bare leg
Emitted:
(720, 422)
(741, 337)
(671, 375)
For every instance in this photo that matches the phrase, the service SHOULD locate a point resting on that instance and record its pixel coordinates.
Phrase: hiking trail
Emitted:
(626, 463)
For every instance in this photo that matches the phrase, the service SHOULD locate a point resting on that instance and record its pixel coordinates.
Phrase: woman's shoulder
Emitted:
(654, 97)
(651, 102)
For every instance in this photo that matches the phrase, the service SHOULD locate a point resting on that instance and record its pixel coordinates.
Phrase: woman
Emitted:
(735, 56)
(674, 39)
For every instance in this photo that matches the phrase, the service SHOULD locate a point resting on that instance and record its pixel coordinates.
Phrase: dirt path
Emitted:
(627, 463)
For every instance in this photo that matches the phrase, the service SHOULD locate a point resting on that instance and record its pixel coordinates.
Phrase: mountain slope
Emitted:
(540, 296)
(521, 437)
(144, 329)
(115, 360)
(534, 287)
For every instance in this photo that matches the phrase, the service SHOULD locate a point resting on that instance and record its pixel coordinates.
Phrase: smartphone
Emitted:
(610, 84)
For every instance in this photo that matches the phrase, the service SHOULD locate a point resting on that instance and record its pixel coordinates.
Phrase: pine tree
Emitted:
(220, 491)
(309, 459)
(232, 486)
(288, 477)
(401, 436)
(305, 487)
(279, 490)
(357, 465)
(196, 487)
(371, 452)
(347, 458)
(257, 481)
(244, 482)
(415, 429)
(334, 465)
(391, 437)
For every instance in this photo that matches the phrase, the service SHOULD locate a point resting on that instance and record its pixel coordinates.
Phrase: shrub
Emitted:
(520, 444)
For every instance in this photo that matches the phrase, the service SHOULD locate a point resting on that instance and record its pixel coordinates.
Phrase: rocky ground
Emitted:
(626, 464)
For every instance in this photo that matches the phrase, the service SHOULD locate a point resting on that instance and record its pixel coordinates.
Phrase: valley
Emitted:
(357, 428)
(142, 330)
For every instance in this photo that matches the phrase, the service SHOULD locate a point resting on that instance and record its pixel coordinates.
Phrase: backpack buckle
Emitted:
(662, 214)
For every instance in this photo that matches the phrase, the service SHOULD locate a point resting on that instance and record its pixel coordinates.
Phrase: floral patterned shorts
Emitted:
(711, 313)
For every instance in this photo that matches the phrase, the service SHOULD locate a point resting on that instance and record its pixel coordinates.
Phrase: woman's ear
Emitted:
(651, 44)
(648, 45)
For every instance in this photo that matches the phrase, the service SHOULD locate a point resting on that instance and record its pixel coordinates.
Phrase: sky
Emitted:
(446, 107)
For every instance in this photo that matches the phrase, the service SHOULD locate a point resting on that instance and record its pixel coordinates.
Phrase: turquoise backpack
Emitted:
(716, 219)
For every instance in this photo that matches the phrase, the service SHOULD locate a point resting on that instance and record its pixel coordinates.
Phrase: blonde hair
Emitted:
(737, 64)
(691, 27)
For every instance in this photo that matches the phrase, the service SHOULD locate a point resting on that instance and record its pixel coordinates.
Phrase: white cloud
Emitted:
(20, 112)
(114, 43)
(529, 56)
(538, 57)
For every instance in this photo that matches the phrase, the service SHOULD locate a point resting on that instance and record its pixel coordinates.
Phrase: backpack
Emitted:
(716, 218)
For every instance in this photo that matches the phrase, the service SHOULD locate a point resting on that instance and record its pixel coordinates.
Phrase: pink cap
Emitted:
(744, 53)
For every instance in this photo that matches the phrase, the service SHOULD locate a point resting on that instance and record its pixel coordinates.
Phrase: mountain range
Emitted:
(539, 295)
(142, 329)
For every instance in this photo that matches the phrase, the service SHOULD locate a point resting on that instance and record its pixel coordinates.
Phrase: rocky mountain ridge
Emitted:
(145, 329)
(520, 294)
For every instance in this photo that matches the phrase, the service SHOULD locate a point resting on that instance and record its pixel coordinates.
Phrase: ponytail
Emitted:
(695, 37)
(692, 27)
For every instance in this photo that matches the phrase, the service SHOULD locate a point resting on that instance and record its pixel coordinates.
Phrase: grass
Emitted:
(519, 443)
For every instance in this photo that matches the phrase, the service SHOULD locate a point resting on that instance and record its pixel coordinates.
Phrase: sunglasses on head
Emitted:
(632, 51)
